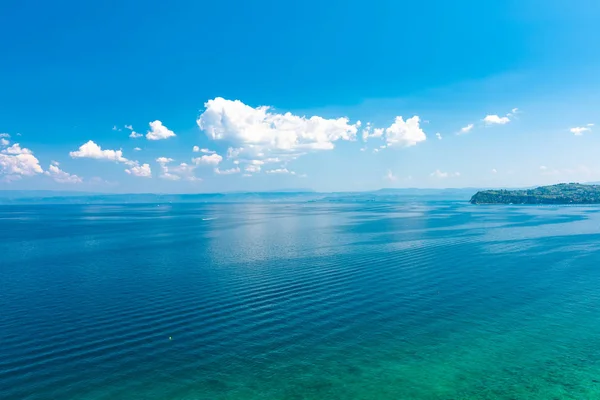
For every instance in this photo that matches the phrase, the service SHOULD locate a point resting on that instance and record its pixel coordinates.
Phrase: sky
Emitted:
(194, 97)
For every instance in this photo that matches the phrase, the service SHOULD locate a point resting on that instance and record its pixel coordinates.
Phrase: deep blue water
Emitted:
(435, 300)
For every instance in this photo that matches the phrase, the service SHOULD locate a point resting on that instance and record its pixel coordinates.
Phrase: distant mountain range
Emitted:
(289, 195)
(284, 195)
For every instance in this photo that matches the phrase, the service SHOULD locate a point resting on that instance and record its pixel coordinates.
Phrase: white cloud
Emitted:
(130, 127)
(4, 142)
(92, 150)
(158, 131)
(61, 176)
(370, 132)
(234, 152)
(16, 162)
(246, 175)
(466, 129)
(390, 176)
(135, 135)
(439, 136)
(197, 149)
(114, 128)
(280, 171)
(4, 135)
(253, 168)
(143, 171)
(404, 133)
(495, 119)
(213, 159)
(401, 133)
(176, 172)
(543, 168)
(16, 149)
(494, 170)
(136, 149)
(169, 176)
(366, 131)
(259, 132)
(227, 171)
(577, 131)
(163, 160)
(441, 175)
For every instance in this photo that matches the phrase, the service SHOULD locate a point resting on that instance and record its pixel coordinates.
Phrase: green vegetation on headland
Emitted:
(563, 193)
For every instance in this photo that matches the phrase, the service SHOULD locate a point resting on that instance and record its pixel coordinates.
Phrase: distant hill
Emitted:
(284, 195)
(385, 195)
(49, 197)
(563, 193)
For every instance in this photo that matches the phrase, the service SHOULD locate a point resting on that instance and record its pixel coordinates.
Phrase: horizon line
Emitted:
(289, 191)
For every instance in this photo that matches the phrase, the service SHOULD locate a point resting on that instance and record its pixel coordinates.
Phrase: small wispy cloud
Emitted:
(513, 112)
(579, 130)
(465, 129)
(280, 171)
(197, 149)
(442, 175)
(229, 171)
(390, 176)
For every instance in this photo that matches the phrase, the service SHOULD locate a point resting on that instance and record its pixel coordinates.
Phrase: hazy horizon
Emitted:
(281, 190)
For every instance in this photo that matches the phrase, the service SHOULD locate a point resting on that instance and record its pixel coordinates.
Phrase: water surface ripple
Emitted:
(430, 300)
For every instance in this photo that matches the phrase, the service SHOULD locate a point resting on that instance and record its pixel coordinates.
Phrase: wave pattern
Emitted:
(294, 301)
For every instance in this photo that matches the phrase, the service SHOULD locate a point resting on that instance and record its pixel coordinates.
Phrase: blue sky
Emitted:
(273, 93)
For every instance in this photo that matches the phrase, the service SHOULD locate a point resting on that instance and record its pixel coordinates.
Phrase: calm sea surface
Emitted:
(435, 300)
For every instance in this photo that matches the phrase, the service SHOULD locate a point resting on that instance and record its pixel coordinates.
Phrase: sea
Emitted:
(299, 300)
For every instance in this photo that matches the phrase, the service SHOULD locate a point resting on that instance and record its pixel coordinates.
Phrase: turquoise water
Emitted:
(299, 301)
